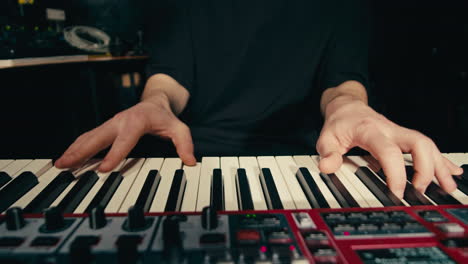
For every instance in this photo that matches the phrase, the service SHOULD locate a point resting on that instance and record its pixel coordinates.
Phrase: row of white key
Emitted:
(197, 191)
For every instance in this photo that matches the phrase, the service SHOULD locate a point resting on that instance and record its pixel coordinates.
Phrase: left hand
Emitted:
(351, 123)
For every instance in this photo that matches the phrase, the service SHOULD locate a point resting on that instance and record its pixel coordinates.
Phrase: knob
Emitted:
(53, 219)
(97, 218)
(172, 242)
(80, 252)
(209, 218)
(14, 218)
(136, 218)
(127, 248)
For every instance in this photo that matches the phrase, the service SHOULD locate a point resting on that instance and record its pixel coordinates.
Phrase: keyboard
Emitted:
(225, 183)
(227, 210)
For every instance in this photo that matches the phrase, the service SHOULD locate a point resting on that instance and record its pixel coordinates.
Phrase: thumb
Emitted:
(182, 140)
(330, 156)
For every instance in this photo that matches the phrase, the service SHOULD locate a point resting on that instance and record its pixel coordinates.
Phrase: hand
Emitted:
(351, 123)
(123, 132)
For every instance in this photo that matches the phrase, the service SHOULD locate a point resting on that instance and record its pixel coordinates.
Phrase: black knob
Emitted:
(172, 242)
(53, 219)
(209, 218)
(80, 252)
(136, 218)
(97, 218)
(14, 218)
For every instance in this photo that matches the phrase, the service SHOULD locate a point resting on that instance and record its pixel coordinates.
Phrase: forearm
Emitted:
(333, 98)
(164, 87)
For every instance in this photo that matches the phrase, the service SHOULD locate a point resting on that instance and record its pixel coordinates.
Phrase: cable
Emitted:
(73, 36)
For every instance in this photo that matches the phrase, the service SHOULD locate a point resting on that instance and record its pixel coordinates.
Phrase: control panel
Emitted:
(423, 234)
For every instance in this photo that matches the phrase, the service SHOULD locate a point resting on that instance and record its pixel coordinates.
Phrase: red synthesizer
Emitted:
(227, 210)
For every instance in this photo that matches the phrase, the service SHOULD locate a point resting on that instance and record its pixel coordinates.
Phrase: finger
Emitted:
(423, 163)
(453, 168)
(331, 154)
(182, 140)
(444, 176)
(122, 145)
(390, 158)
(62, 161)
(99, 139)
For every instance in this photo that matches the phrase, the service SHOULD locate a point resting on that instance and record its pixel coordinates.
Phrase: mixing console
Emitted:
(419, 234)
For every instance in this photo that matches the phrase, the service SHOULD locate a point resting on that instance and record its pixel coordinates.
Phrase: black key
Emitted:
(338, 190)
(217, 190)
(462, 180)
(465, 172)
(462, 185)
(48, 195)
(434, 191)
(106, 192)
(378, 188)
(411, 195)
(17, 188)
(311, 190)
(145, 198)
(78, 192)
(269, 189)
(243, 191)
(4, 178)
(176, 193)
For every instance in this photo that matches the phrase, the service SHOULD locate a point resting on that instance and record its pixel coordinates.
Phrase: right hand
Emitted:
(123, 132)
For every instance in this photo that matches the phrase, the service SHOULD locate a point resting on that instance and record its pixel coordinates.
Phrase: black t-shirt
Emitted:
(255, 69)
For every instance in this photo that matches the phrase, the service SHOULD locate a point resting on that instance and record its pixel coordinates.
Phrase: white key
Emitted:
(350, 168)
(343, 175)
(129, 172)
(77, 172)
(306, 161)
(15, 168)
(96, 187)
(167, 172)
(44, 180)
(229, 166)
(289, 169)
(4, 163)
(132, 196)
(252, 170)
(192, 175)
(281, 187)
(204, 186)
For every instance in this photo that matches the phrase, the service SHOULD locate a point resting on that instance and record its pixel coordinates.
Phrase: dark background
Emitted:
(419, 64)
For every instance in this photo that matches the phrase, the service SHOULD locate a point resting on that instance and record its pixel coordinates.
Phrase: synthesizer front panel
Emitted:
(419, 234)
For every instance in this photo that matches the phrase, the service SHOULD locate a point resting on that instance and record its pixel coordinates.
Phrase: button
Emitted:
(334, 217)
(432, 216)
(456, 242)
(315, 238)
(340, 228)
(390, 227)
(279, 237)
(368, 228)
(248, 236)
(45, 241)
(324, 254)
(451, 228)
(11, 241)
(357, 217)
(304, 221)
(399, 215)
(378, 216)
(413, 227)
(214, 238)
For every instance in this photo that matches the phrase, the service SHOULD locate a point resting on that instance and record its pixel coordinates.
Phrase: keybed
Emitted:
(281, 182)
